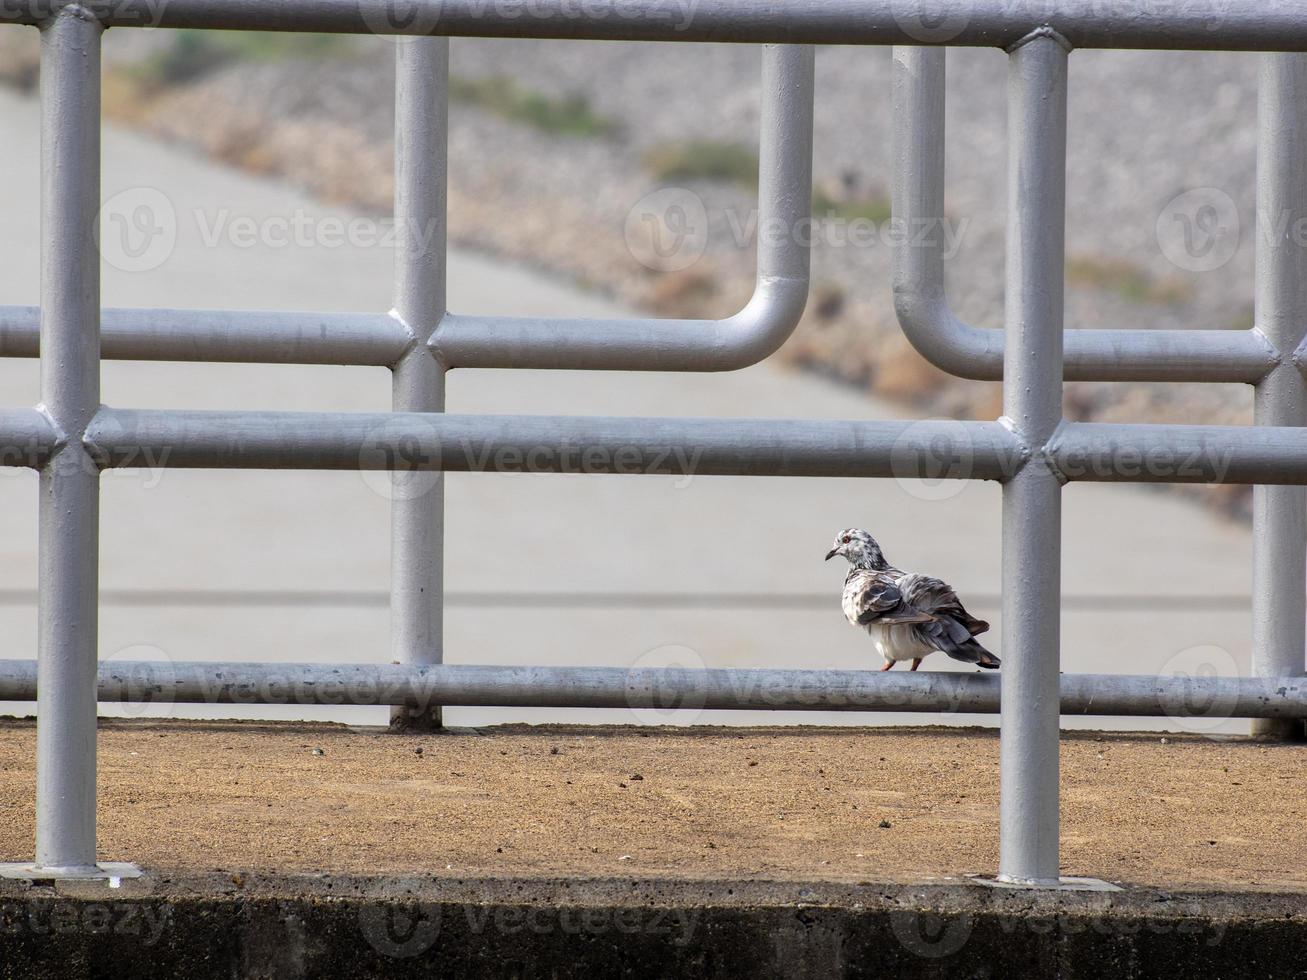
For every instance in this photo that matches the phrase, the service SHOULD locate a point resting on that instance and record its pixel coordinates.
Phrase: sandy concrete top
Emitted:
(834, 804)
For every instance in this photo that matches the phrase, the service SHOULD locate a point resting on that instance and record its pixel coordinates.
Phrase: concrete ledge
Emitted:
(775, 804)
(284, 926)
(571, 851)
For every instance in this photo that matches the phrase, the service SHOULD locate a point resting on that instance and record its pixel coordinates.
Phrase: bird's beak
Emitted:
(832, 553)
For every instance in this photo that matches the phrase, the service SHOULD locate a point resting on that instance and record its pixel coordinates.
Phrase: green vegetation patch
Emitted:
(704, 160)
(194, 53)
(567, 116)
(738, 164)
(1126, 279)
(871, 207)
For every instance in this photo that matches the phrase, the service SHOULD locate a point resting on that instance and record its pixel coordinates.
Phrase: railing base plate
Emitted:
(111, 871)
(1066, 884)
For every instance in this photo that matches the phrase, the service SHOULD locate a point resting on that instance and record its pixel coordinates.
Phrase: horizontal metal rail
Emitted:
(246, 336)
(1264, 25)
(463, 341)
(27, 437)
(975, 352)
(736, 342)
(758, 330)
(553, 444)
(1141, 453)
(934, 449)
(665, 687)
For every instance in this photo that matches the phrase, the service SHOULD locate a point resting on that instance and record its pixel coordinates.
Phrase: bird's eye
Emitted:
(846, 540)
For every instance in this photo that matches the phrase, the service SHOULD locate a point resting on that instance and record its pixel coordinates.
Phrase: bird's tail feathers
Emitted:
(971, 652)
(900, 617)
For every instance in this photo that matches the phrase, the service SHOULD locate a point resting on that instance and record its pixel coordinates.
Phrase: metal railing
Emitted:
(71, 437)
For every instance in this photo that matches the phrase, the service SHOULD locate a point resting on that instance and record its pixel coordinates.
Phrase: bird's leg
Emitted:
(916, 662)
(888, 665)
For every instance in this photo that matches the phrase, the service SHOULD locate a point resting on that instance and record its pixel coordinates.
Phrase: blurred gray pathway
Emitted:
(724, 571)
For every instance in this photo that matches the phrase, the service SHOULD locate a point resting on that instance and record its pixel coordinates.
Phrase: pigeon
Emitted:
(908, 615)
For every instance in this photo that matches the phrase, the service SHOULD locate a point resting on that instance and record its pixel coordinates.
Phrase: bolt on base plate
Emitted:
(1062, 884)
(110, 871)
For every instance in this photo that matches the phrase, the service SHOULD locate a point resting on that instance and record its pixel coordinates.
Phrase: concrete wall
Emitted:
(236, 925)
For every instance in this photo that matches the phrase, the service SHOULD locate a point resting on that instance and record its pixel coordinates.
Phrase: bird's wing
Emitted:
(937, 597)
(875, 598)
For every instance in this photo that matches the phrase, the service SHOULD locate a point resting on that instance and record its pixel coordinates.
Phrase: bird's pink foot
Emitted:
(888, 665)
(916, 662)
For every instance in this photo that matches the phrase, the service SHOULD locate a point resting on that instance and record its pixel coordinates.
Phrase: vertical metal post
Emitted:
(68, 519)
(1280, 512)
(1032, 514)
(418, 506)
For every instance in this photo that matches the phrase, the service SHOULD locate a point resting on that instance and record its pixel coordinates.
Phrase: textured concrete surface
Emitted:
(256, 926)
(726, 803)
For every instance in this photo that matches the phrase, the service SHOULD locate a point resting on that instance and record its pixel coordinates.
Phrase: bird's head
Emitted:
(859, 548)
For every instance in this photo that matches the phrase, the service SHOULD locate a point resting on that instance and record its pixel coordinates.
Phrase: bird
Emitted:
(909, 616)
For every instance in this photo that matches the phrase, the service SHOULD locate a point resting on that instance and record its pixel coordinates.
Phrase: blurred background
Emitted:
(255, 171)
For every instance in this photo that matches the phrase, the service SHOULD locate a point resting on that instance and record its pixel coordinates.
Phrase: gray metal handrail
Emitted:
(236, 336)
(757, 331)
(665, 688)
(1267, 25)
(977, 352)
